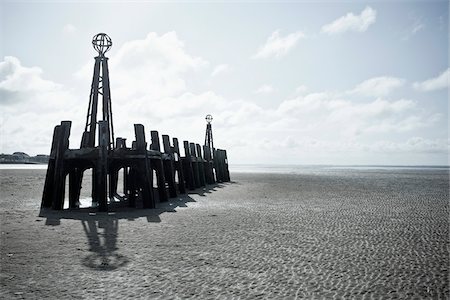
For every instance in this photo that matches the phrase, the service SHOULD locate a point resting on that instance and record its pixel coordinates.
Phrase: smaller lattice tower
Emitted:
(100, 86)
(208, 135)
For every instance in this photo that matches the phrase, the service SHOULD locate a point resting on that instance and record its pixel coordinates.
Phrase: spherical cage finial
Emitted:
(208, 118)
(101, 43)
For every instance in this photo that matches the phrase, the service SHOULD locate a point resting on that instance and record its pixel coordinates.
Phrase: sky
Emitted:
(327, 82)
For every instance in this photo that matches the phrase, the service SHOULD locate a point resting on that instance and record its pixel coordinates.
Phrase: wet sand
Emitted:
(334, 235)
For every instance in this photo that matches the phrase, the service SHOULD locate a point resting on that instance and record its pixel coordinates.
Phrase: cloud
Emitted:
(351, 22)
(20, 83)
(411, 145)
(433, 84)
(301, 89)
(415, 144)
(322, 113)
(31, 106)
(416, 26)
(219, 69)
(264, 89)
(69, 29)
(155, 64)
(378, 86)
(278, 46)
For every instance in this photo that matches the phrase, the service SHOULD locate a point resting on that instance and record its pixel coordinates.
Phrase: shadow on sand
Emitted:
(102, 228)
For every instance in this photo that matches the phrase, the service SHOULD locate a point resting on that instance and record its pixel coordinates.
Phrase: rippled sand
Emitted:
(334, 235)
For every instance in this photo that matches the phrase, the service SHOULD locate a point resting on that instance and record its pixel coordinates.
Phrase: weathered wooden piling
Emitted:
(178, 166)
(208, 165)
(157, 164)
(168, 163)
(221, 165)
(59, 172)
(188, 168)
(195, 165)
(101, 165)
(47, 195)
(201, 165)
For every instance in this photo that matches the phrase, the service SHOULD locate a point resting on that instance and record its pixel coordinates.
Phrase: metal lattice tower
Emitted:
(208, 135)
(100, 86)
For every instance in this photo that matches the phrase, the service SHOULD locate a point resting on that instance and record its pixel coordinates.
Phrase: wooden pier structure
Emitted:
(150, 174)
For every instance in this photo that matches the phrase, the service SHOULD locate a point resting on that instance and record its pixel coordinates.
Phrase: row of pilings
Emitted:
(150, 175)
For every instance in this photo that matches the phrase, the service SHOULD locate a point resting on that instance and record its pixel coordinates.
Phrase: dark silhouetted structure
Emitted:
(107, 156)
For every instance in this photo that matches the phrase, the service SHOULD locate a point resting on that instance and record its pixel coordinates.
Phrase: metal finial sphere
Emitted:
(102, 43)
(208, 118)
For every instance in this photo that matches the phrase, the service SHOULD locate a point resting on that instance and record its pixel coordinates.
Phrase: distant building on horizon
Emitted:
(23, 158)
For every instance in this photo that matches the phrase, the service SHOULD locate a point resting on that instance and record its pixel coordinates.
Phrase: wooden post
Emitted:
(188, 168)
(222, 165)
(145, 167)
(169, 172)
(217, 165)
(161, 180)
(179, 166)
(201, 165)
(113, 180)
(140, 138)
(195, 165)
(155, 141)
(158, 167)
(227, 171)
(208, 165)
(75, 178)
(114, 172)
(47, 195)
(131, 187)
(60, 172)
(101, 166)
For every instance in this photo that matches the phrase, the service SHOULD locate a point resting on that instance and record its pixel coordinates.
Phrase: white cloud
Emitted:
(417, 25)
(323, 113)
(18, 83)
(31, 106)
(378, 86)
(264, 89)
(301, 89)
(414, 144)
(436, 83)
(69, 28)
(155, 65)
(277, 46)
(351, 22)
(411, 145)
(219, 69)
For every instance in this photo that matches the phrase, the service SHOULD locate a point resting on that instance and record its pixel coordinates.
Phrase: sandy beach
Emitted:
(335, 234)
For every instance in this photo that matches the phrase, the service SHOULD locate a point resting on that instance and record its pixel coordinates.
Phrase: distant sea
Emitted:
(23, 166)
(278, 169)
(302, 169)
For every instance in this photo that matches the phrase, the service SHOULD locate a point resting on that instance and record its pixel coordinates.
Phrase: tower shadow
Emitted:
(102, 228)
(102, 237)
